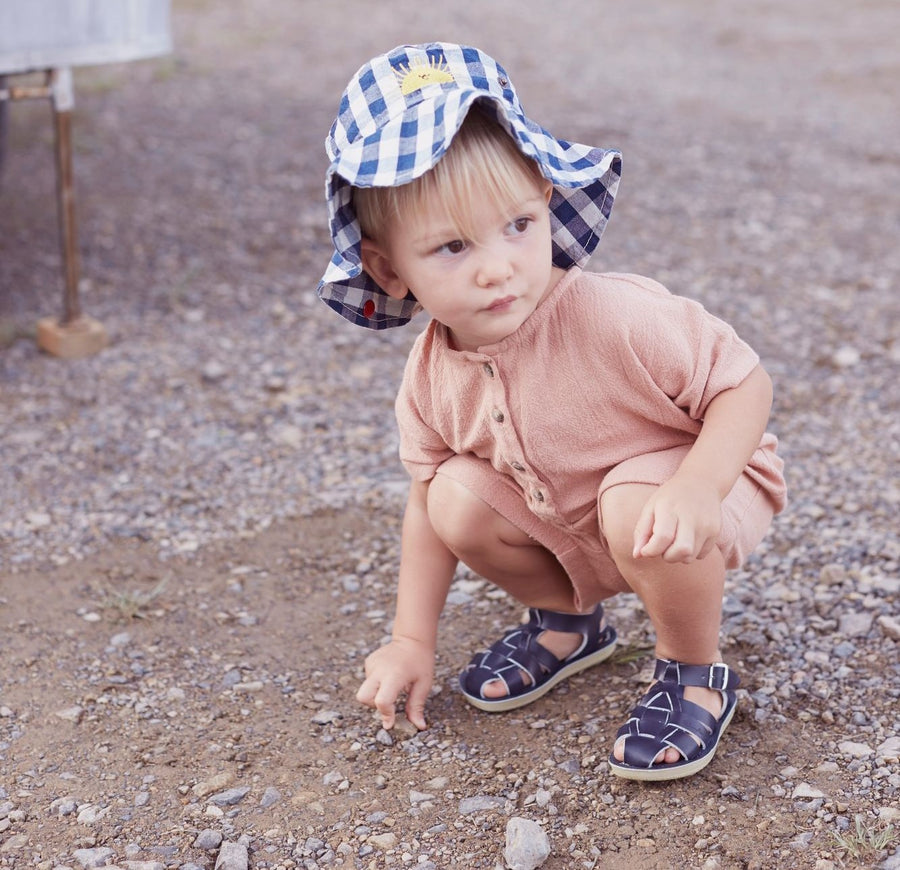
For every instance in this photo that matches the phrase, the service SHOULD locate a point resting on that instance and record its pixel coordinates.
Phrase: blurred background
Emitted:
(760, 164)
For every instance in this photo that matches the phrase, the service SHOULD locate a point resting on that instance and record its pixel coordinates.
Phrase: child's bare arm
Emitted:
(406, 664)
(682, 520)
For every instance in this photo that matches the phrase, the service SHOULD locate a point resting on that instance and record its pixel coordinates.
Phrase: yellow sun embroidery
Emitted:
(419, 73)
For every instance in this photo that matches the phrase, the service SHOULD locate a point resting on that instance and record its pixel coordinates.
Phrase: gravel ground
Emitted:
(199, 526)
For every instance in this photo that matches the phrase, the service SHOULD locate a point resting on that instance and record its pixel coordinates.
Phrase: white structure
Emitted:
(52, 36)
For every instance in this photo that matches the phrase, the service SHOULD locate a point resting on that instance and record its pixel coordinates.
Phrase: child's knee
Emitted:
(457, 515)
(619, 509)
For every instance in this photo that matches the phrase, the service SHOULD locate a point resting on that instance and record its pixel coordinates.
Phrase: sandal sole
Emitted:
(501, 705)
(677, 770)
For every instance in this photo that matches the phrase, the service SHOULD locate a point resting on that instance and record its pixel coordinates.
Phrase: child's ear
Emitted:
(547, 189)
(377, 263)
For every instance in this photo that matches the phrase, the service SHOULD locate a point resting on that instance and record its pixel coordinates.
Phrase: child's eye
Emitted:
(457, 246)
(520, 224)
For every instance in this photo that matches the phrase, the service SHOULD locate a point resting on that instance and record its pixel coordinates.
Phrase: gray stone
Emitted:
(90, 858)
(232, 856)
(527, 846)
(230, 796)
(480, 803)
(208, 840)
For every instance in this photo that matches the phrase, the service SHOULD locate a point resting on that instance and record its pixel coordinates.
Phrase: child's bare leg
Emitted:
(683, 601)
(503, 554)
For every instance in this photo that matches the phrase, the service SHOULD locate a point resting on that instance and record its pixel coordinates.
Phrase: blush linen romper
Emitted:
(606, 383)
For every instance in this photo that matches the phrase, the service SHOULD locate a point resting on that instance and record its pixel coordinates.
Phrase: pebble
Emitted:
(232, 856)
(481, 803)
(527, 845)
(230, 796)
(208, 840)
(91, 858)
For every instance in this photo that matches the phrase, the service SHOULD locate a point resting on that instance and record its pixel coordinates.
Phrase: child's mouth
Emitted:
(501, 304)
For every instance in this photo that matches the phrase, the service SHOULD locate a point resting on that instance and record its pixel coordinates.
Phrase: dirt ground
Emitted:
(149, 676)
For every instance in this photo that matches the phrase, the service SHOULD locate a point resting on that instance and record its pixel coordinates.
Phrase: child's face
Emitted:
(481, 288)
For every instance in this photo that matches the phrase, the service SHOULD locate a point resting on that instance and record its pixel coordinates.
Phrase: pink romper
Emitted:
(606, 383)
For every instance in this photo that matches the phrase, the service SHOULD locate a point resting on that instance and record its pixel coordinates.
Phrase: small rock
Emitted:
(383, 841)
(90, 858)
(889, 751)
(805, 790)
(17, 842)
(208, 840)
(271, 796)
(215, 783)
(856, 750)
(232, 856)
(213, 372)
(855, 624)
(846, 356)
(480, 803)
(889, 626)
(527, 846)
(326, 717)
(70, 714)
(230, 797)
(90, 815)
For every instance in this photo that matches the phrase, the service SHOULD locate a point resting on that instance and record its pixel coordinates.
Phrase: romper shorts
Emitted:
(581, 547)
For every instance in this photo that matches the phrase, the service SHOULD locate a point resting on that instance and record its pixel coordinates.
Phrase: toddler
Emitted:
(569, 436)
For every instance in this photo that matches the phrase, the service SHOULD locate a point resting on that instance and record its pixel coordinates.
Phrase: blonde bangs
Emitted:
(482, 162)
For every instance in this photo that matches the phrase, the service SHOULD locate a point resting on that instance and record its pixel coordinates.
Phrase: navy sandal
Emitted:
(519, 651)
(664, 719)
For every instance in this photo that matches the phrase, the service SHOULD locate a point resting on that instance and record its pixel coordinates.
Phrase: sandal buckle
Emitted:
(719, 673)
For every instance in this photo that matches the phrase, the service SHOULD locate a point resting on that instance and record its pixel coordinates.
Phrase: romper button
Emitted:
(488, 370)
(497, 414)
(518, 466)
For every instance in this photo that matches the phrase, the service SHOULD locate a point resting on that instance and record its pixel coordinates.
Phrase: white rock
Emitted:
(890, 627)
(90, 858)
(232, 856)
(90, 814)
(889, 750)
(856, 750)
(14, 843)
(845, 356)
(805, 790)
(527, 846)
(855, 624)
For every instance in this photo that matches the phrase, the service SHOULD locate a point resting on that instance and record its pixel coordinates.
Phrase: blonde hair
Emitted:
(482, 161)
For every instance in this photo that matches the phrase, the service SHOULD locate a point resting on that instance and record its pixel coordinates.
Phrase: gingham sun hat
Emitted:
(396, 120)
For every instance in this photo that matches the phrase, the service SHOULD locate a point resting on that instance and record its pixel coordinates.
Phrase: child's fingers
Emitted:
(662, 533)
(643, 531)
(415, 705)
(374, 693)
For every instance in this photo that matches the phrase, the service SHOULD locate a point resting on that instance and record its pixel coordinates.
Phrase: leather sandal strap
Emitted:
(715, 676)
(580, 623)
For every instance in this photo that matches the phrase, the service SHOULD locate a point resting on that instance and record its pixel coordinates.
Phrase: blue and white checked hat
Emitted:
(396, 120)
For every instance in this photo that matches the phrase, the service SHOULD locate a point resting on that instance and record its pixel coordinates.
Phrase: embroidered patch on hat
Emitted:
(419, 74)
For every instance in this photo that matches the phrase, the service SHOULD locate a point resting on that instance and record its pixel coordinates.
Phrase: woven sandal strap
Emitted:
(580, 623)
(715, 676)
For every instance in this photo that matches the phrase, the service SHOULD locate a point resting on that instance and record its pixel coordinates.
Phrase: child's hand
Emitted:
(403, 665)
(680, 522)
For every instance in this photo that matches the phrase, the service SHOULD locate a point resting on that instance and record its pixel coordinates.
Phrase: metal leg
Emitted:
(68, 231)
(74, 335)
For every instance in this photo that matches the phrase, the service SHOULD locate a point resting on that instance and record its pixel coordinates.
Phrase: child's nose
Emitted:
(494, 267)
